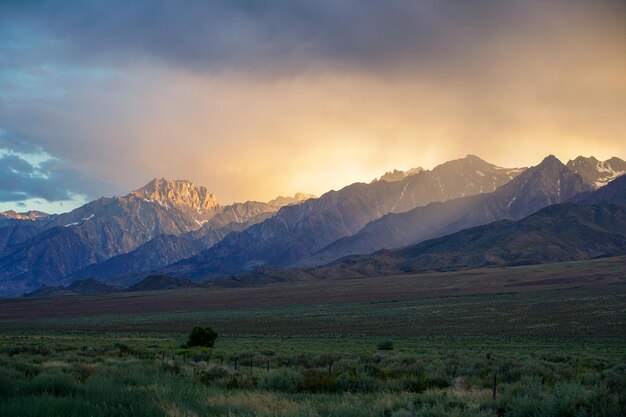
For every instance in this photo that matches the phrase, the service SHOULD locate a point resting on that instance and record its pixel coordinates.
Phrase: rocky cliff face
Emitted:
(177, 193)
(597, 173)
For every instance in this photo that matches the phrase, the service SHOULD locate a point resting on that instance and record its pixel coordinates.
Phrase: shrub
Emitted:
(318, 381)
(282, 380)
(82, 372)
(202, 336)
(353, 382)
(57, 385)
(213, 375)
(385, 345)
(241, 382)
(172, 367)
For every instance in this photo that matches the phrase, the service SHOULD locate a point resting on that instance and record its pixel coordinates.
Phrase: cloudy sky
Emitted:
(258, 98)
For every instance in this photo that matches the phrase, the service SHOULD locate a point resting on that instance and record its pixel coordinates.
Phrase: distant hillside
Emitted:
(161, 282)
(84, 287)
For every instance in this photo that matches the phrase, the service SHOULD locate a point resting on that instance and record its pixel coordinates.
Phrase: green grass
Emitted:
(579, 313)
(554, 351)
(126, 375)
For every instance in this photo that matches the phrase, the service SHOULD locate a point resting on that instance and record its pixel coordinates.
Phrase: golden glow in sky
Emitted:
(260, 101)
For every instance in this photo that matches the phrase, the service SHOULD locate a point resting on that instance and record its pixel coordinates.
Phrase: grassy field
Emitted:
(554, 336)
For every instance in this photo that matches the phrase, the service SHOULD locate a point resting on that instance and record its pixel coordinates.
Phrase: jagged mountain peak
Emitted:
(471, 162)
(546, 173)
(547, 183)
(179, 193)
(399, 175)
(595, 172)
(297, 198)
(551, 161)
(471, 157)
(27, 215)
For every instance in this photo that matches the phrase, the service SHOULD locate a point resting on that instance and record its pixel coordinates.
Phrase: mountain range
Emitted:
(593, 227)
(297, 232)
(50, 248)
(179, 229)
(548, 183)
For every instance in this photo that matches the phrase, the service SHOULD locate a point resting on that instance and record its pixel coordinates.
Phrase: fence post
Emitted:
(268, 365)
(330, 368)
(494, 385)
(236, 363)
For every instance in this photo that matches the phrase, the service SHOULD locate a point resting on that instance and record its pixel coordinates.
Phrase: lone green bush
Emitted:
(202, 336)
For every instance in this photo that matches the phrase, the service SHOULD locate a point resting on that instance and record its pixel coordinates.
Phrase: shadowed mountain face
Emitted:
(548, 183)
(562, 232)
(108, 227)
(16, 228)
(296, 232)
(12, 236)
(156, 253)
(163, 250)
(614, 192)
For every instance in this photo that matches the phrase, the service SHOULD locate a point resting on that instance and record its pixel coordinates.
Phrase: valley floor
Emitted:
(423, 345)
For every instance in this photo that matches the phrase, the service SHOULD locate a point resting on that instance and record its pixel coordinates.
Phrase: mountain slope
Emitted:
(298, 231)
(108, 227)
(548, 183)
(614, 192)
(154, 254)
(11, 236)
(563, 232)
(166, 249)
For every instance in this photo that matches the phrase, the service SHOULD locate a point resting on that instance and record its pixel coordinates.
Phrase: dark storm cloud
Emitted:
(273, 36)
